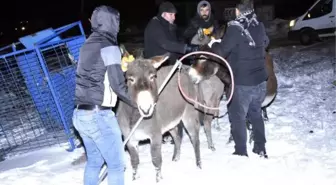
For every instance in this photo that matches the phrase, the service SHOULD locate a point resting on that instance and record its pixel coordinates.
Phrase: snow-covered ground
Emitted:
(301, 134)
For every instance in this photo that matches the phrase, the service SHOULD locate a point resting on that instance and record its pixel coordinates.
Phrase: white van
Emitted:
(318, 22)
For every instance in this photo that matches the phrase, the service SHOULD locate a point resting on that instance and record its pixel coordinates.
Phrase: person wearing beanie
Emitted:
(244, 47)
(203, 20)
(160, 35)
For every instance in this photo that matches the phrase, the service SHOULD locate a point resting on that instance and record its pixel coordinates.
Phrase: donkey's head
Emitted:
(204, 66)
(141, 82)
(218, 34)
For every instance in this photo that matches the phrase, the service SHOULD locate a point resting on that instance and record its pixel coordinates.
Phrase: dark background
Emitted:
(36, 15)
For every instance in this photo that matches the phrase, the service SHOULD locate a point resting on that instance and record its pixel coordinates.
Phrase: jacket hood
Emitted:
(202, 3)
(105, 20)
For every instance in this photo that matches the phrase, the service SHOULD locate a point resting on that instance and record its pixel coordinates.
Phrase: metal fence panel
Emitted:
(37, 92)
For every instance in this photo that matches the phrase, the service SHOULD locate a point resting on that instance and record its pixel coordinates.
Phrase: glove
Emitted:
(200, 34)
(214, 41)
(207, 31)
(191, 48)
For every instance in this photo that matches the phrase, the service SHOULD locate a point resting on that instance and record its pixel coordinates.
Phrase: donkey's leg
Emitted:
(156, 143)
(192, 125)
(207, 128)
(217, 126)
(230, 139)
(176, 135)
(132, 147)
(264, 111)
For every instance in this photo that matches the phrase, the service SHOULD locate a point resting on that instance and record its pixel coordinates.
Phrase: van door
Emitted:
(321, 18)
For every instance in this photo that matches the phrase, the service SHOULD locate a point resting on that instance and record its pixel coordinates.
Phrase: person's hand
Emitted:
(191, 48)
(212, 41)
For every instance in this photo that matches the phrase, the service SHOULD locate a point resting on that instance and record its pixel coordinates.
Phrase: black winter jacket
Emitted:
(244, 47)
(197, 22)
(160, 38)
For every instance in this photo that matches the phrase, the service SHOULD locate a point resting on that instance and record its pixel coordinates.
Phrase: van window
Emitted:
(322, 8)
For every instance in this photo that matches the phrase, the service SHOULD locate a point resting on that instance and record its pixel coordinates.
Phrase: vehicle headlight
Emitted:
(291, 23)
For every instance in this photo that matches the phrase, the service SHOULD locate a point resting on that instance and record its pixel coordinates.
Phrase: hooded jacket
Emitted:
(99, 77)
(198, 22)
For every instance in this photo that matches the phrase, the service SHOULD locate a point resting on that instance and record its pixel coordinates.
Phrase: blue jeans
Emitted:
(246, 102)
(101, 136)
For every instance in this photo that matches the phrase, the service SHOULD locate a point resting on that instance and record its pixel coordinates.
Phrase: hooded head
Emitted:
(204, 10)
(105, 20)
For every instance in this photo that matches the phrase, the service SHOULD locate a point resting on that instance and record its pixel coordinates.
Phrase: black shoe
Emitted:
(261, 153)
(240, 153)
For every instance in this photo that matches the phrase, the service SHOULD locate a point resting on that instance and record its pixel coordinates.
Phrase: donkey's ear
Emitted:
(157, 61)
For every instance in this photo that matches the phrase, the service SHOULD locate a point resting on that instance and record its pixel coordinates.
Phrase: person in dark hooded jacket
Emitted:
(203, 19)
(99, 81)
(160, 35)
(244, 47)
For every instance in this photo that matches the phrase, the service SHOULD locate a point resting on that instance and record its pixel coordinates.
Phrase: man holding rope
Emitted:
(99, 81)
(244, 46)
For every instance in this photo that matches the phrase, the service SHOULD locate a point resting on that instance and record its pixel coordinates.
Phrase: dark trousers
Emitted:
(246, 104)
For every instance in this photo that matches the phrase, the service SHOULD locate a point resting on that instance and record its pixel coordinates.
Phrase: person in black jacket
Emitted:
(244, 47)
(203, 19)
(160, 35)
(99, 81)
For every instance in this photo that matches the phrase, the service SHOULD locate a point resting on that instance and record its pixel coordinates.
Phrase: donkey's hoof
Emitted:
(158, 176)
(135, 175)
(199, 164)
(212, 148)
(230, 139)
(176, 158)
(217, 127)
(80, 160)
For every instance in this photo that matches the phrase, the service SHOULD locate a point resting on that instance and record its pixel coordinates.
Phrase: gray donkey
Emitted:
(143, 80)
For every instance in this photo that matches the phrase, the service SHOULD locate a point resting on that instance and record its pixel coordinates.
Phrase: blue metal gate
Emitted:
(37, 86)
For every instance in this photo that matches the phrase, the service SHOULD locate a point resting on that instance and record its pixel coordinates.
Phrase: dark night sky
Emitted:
(58, 11)
(44, 13)
(70, 9)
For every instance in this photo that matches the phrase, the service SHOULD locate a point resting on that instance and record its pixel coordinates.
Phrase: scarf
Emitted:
(244, 21)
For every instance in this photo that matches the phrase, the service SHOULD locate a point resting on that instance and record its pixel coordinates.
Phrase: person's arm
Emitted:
(229, 41)
(112, 59)
(168, 45)
(216, 27)
(190, 31)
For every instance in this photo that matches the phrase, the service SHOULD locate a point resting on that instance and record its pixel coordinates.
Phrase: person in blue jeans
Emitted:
(99, 82)
(244, 45)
